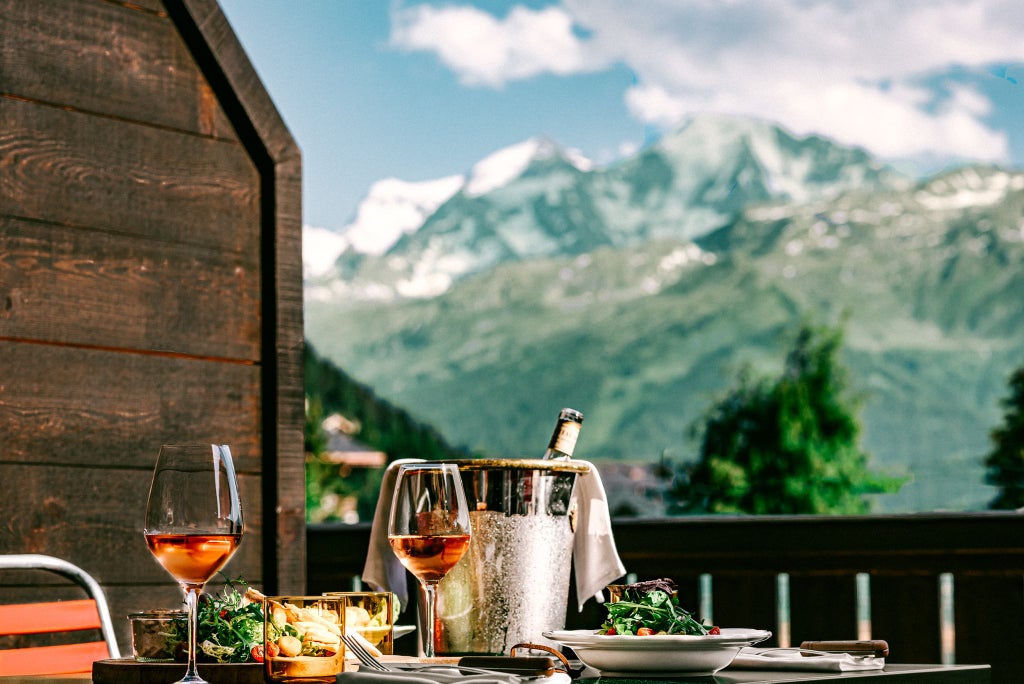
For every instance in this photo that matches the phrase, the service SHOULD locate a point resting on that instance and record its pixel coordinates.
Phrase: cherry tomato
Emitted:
(257, 653)
(273, 650)
(644, 631)
(714, 630)
(611, 630)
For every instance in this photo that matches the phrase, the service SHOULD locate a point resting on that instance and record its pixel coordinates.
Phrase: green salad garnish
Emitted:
(649, 608)
(230, 626)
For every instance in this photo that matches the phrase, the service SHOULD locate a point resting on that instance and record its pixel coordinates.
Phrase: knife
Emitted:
(526, 666)
(871, 647)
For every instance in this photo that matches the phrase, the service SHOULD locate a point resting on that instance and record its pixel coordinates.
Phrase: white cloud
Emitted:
(485, 50)
(320, 249)
(653, 104)
(865, 73)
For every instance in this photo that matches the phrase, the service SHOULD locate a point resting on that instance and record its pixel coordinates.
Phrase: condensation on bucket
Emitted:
(511, 586)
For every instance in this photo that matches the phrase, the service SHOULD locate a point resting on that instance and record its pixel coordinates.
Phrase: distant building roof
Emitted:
(344, 449)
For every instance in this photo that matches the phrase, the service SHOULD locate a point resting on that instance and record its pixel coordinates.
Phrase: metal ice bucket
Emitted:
(513, 582)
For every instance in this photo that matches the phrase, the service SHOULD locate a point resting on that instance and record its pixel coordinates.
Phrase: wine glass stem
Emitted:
(192, 605)
(429, 595)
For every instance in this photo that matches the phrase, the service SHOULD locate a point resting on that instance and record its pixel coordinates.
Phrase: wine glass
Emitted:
(429, 529)
(193, 522)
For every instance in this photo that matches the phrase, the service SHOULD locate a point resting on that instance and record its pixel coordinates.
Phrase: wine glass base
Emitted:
(191, 679)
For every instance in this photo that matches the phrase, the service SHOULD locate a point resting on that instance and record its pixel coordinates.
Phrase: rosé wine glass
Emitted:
(429, 529)
(193, 523)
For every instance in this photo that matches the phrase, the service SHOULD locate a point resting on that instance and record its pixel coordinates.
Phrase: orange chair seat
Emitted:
(42, 618)
(55, 616)
(41, 660)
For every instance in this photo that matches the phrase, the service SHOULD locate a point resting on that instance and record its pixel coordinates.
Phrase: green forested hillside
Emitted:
(382, 426)
(643, 338)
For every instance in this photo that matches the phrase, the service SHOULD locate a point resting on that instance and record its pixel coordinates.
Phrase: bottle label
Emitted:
(565, 437)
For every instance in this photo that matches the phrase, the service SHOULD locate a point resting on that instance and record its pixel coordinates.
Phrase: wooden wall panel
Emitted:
(84, 287)
(77, 169)
(263, 133)
(117, 60)
(150, 285)
(64, 405)
(73, 512)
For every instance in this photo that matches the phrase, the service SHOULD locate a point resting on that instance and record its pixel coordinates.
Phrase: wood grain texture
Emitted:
(77, 169)
(263, 133)
(62, 405)
(150, 274)
(84, 287)
(290, 380)
(98, 513)
(246, 87)
(109, 59)
(123, 671)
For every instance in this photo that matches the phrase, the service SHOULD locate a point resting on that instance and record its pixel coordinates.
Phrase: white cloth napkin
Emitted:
(383, 571)
(443, 675)
(595, 558)
(797, 659)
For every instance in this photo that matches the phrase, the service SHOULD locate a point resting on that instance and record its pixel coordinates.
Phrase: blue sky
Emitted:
(420, 90)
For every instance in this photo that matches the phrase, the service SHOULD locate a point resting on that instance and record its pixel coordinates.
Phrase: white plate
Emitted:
(663, 654)
(402, 630)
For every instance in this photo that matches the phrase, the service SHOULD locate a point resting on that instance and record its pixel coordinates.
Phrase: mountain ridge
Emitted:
(554, 203)
(643, 335)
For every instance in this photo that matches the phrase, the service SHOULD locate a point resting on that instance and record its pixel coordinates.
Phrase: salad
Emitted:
(650, 608)
(230, 626)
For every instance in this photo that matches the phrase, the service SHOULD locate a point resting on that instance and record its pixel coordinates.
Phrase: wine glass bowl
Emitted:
(193, 522)
(192, 559)
(429, 529)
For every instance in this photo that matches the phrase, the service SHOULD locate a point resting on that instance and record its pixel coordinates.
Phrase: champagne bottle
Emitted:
(567, 431)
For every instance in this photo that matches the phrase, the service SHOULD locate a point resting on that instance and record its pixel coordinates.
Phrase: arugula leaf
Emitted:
(229, 626)
(653, 608)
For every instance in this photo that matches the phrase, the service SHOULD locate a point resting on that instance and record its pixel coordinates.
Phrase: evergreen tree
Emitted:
(785, 445)
(1005, 462)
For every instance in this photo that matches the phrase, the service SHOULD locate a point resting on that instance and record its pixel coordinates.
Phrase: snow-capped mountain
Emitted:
(538, 200)
(391, 209)
(641, 333)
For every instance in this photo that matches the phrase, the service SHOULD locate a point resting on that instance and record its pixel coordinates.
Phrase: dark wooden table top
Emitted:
(892, 674)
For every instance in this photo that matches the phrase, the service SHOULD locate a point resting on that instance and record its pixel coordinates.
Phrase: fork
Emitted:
(447, 673)
(365, 658)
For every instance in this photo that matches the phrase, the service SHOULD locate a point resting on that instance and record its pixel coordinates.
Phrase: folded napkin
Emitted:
(595, 557)
(383, 571)
(444, 675)
(802, 659)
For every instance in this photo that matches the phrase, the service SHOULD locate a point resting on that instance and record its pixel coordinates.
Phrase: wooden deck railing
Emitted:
(938, 587)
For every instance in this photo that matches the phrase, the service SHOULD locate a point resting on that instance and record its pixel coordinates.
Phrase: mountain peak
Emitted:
(792, 168)
(501, 167)
(394, 207)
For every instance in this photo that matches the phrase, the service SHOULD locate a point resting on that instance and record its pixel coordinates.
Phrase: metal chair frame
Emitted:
(35, 561)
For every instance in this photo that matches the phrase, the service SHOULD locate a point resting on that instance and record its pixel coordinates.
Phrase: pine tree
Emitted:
(1005, 463)
(785, 445)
